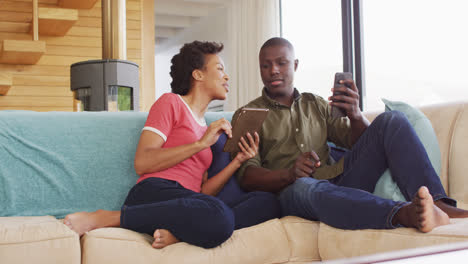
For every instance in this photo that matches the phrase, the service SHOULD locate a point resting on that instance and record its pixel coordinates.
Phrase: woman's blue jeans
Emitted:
(347, 201)
(195, 218)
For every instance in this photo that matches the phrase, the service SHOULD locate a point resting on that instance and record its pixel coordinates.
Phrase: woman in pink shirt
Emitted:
(173, 199)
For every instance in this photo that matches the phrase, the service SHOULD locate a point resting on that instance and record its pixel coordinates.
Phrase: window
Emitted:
(415, 51)
(314, 29)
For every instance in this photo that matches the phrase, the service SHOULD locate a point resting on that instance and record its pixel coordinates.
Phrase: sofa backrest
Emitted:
(56, 163)
(450, 122)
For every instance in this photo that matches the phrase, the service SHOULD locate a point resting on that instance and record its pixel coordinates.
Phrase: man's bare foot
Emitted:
(83, 222)
(163, 238)
(452, 212)
(421, 213)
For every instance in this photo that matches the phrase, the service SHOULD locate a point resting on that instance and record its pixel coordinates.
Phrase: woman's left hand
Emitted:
(248, 150)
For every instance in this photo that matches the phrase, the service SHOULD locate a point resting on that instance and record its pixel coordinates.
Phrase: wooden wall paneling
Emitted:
(74, 51)
(63, 60)
(91, 22)
(11, 16)
(35, 70)
(27, 101)
(147, 83)
(77, 4)
(93, 12)
(21, 6)
(85, 32)
(48, 2)
(18, 90)
(16, 6)
(22, 27)
(38, 108)
(134, 53)
(23, 80)
(6, 81)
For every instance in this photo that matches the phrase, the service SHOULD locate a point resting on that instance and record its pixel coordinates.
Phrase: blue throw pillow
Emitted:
(231, 191)
(386, 187)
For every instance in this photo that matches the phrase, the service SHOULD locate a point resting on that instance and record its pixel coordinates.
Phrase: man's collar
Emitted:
(297, 95)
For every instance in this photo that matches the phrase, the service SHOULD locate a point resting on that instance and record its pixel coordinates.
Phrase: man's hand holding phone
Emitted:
(305, 165)
(345, 98)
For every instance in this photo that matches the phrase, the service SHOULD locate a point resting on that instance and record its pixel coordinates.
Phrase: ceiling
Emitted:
(174, 16)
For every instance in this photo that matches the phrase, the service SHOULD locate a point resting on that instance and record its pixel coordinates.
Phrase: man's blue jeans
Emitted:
(346, 201)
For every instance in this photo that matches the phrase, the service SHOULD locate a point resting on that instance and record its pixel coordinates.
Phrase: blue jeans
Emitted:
(192, 217)
(346, 201)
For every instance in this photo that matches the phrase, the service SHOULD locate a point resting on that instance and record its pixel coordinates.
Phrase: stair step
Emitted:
(6, 81)
(21, 51)
(77, 4)
(56, 21)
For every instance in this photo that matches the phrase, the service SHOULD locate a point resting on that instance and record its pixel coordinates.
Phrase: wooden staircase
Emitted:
(47, 20)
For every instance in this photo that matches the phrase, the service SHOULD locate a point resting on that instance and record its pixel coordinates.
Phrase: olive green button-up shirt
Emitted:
(289, 131)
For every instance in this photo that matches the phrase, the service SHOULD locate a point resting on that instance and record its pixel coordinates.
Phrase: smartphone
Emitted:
(336, 111)
(249, 120)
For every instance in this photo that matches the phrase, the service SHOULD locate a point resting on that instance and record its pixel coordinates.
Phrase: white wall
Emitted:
(210, 28)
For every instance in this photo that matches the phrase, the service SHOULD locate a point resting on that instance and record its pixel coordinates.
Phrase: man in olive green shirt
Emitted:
(294, 157)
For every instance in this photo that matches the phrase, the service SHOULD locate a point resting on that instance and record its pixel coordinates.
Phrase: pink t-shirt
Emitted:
(172, 119)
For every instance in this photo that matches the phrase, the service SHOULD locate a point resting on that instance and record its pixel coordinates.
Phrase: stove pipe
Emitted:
(110, 84)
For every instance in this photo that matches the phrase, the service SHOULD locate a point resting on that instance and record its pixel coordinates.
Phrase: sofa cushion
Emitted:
(61, 162)
(336, 243)
(386, 187)
(303, 239)
(263, 243)
(41, 239)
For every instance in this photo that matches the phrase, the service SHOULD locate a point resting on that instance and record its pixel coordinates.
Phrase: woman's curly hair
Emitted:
(190, 57)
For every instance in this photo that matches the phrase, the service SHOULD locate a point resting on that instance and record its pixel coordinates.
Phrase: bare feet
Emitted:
(163, 238)
(83, 222)
(421, 213)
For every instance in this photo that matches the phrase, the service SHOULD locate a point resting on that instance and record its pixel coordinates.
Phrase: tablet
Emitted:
(248, 120)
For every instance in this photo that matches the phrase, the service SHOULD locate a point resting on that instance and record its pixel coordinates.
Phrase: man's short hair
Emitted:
(277, 41)
(190, 57)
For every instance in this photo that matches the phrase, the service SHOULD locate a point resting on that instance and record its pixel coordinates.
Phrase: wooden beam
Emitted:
(35, 23)
(147, 87)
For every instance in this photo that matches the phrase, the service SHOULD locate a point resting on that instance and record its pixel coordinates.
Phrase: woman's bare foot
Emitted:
(451, 211)
(163, 238)
(421, 213)
(83, 222)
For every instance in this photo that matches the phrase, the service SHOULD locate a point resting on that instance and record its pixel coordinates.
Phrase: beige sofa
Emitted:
(288, 240)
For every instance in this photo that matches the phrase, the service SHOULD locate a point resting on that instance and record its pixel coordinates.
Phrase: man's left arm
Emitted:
(349, 97)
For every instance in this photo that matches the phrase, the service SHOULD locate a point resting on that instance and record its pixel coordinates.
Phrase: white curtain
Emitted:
(250, 24)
